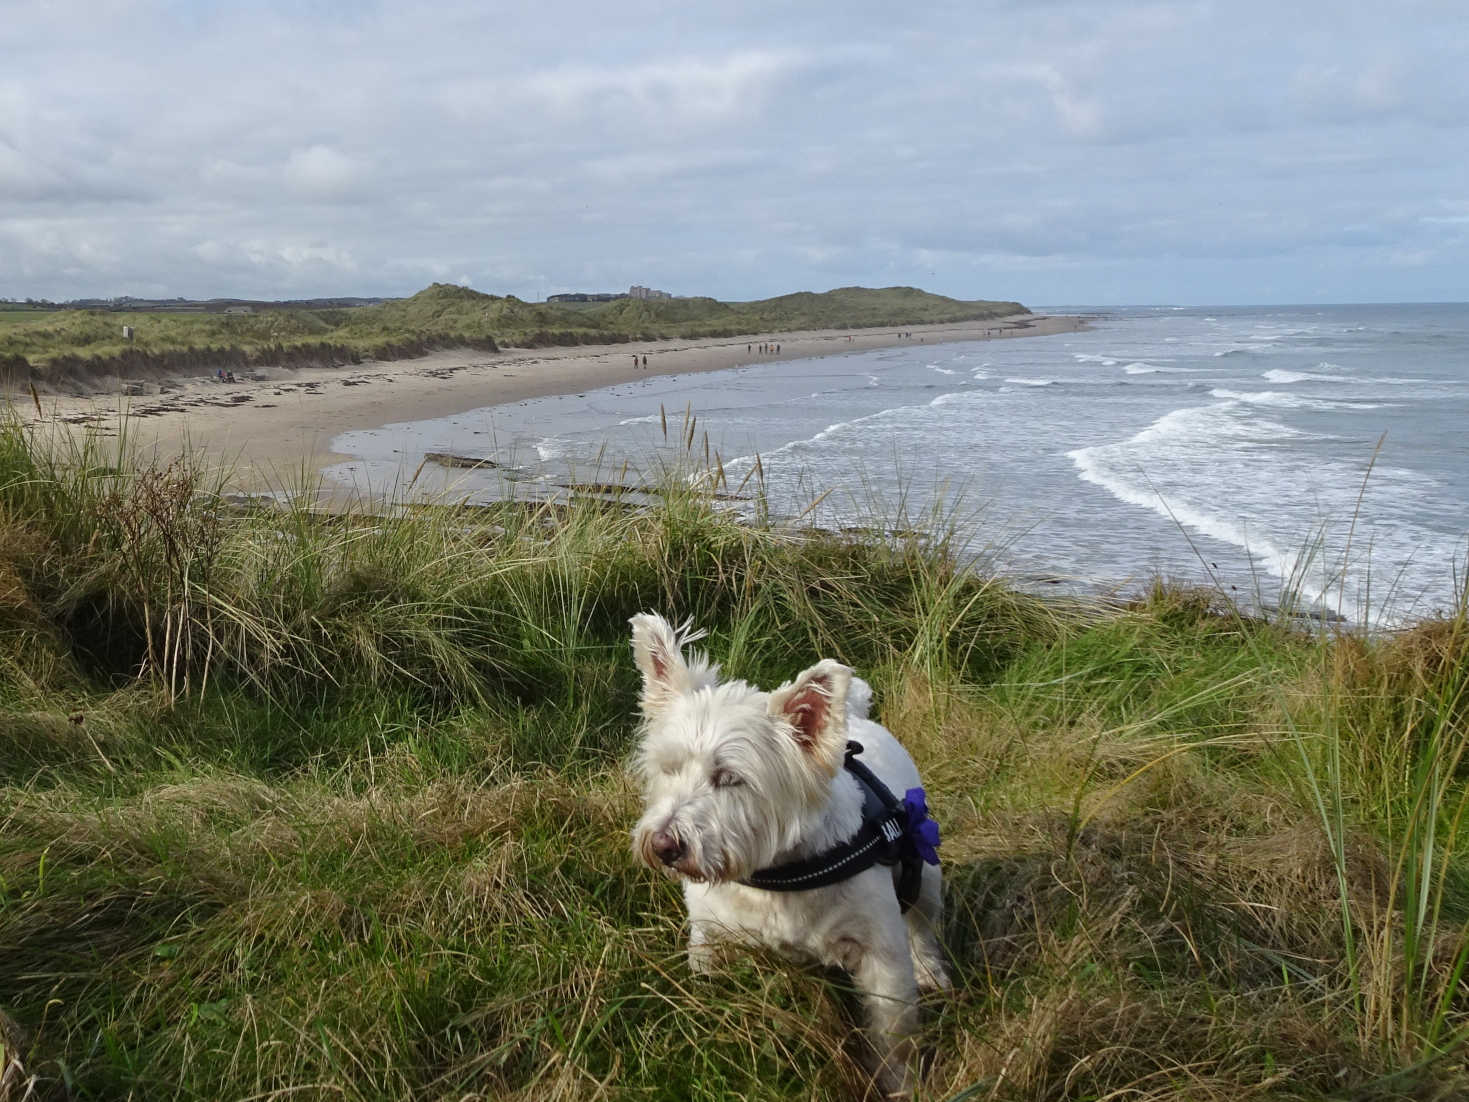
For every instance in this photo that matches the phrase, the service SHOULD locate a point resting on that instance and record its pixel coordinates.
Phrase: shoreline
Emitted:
(271, 431)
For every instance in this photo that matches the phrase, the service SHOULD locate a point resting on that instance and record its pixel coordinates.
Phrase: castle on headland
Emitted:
(635, 291)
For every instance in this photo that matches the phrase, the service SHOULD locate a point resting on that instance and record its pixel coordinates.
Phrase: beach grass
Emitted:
(301, 804)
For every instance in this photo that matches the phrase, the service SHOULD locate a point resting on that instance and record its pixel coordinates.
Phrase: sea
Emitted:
(1311, 457)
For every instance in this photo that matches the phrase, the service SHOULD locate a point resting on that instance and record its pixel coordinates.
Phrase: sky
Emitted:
(1053, 152)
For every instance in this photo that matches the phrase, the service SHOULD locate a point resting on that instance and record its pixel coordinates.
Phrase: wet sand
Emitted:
(274, 431)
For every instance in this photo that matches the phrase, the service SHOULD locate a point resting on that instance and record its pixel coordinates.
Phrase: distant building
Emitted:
(635, 291)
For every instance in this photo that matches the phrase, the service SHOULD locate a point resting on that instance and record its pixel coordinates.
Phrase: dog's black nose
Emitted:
(667, 847)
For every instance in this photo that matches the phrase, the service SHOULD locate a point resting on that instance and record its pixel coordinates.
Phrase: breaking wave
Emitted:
(1276, 375)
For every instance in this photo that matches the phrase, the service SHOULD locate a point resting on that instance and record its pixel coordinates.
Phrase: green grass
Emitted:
(444, 307)
(49, 346)
(305, 806)
(94, 338)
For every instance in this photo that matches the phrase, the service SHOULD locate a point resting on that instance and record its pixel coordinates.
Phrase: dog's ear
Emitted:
(815, 707)
(658, 650)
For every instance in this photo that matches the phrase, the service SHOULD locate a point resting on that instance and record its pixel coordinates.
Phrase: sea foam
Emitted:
(1276, 375)
(1281, 400)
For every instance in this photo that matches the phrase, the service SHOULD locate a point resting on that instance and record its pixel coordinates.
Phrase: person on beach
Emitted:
(635, 363)
(645, 360)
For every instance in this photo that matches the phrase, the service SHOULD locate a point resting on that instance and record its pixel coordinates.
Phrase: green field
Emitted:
(8, 317)
(308, 806)
(91, 341)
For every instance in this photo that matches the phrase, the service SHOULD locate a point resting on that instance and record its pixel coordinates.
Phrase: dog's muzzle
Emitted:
(666, 850)
(667, 847)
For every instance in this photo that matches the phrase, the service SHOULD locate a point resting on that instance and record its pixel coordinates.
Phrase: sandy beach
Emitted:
(275, 430)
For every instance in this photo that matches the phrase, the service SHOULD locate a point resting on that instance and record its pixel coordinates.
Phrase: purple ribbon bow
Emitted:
(923, 832)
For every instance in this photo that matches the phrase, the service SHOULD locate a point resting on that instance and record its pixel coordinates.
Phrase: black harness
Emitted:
(881, 840)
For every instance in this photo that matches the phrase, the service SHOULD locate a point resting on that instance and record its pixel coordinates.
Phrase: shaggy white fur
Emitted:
(735, 780)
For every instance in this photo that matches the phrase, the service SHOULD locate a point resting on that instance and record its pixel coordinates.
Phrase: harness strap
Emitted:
(880, 840)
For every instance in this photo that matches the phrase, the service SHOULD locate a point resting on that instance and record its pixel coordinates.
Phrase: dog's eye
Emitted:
(723, 778)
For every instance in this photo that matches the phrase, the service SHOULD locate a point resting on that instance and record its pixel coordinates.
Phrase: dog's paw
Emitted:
(933, 980)
(701, 957)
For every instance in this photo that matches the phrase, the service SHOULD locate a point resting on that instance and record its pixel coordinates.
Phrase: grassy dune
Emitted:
(300, 806)
(75, 344)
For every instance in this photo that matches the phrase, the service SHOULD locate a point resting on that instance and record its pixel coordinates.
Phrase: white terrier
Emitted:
(752, 798)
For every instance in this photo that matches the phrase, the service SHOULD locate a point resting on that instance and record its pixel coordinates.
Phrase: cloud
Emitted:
(1078, 115)
(40, 246)
(320, 172)
(21, 177)
(643, 167)
(706, 90)
(739, 151)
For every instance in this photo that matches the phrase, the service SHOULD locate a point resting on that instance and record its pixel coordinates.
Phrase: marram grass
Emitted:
(332, 806)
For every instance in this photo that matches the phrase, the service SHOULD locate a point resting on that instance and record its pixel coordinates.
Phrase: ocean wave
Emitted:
(1276, 375)
(952, 397)
(1291, 511)
(1089, 358)
(1195, 467)
(1142, 367)
(872, 383)
(550, 448)
(1104, 466)
(1032, 382)
(795, 447)
(1281, 400)
(1283, 334)
(1213, 424)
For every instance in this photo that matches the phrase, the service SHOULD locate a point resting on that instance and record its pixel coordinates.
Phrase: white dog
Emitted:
(745, 788)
